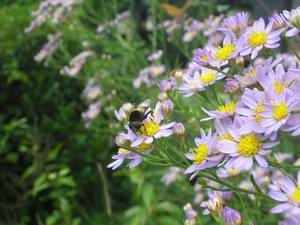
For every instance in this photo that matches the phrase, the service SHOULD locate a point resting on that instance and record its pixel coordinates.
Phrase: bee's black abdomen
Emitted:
(136, 116)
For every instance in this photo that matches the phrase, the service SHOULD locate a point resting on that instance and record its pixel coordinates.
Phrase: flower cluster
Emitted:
(76, 64)
(49, 48)
(116, 22)
(53, 10)
(260, 105)
(149, 75)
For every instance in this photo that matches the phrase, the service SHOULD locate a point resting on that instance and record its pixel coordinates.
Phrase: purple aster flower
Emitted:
(231, 216)
(293, 125)
(259, 36)
(165, 85)
(278, 111)
(277, 80)
(155, 56)
(237, 23)
(222, 54)
(190, 85)
(223, 111)
(293, 21)
(171, 175)
(251, 108)
(288, 195)
(292, 220)
(151, 128)
(245, 146)
(202, 56)
(204, 155)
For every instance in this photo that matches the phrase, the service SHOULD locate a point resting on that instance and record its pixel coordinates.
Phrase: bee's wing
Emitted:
(145, 104)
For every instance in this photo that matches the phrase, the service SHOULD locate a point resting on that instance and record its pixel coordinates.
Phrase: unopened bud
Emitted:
(231, 216)
(163, 96)
(179, 129)
(231, 85)
(167, 107)
(165, 86)
(127, 107)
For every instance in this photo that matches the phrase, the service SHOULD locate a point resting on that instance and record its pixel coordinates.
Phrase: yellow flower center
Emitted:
(257, 110)
(226, 137)
(249, 145)
(123, 151)
(257, 38)
(204, 58)
(278, 87)
(225, 52)
(280, 111)
(227, 108)
(150, 128)
(296, 195)
(144, 147)
(207, 78)
(251, 74)
(201, 153)
(233, 172)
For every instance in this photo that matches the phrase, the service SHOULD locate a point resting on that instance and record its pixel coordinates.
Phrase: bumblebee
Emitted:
(137, 117)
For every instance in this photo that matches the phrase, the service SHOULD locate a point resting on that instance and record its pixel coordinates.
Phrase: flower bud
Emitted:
(167, 107)
(240, 61)
(163, 96)
(178, 74)
(231, 216)
(127, 107)
(165, 86)
(179, 129)
(190, 214)
(231, 85)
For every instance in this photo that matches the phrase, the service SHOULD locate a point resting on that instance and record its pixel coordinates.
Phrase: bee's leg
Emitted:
(150, 112)
(145, 128)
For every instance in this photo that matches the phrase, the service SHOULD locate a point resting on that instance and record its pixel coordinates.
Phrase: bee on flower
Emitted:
(150, 128)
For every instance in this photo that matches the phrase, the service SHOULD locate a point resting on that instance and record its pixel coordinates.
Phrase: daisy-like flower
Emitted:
(291, 220)
(190, 85)
(135, 158)
(223, 111)
(244, 147)
(277, 80)
(293, 21)
(171, 175)
(222, 54)
(259, 36)
(293, 125)
(202, 56)
(278, 111)
(251, 108)
(155, 55)
(204, 155)
(237, 23)
(288, 194)
(208, 76)
(151, 128)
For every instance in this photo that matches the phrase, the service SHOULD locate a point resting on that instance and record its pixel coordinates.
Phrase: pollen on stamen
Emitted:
(257, 38)
(225, 52)
(280, 111)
